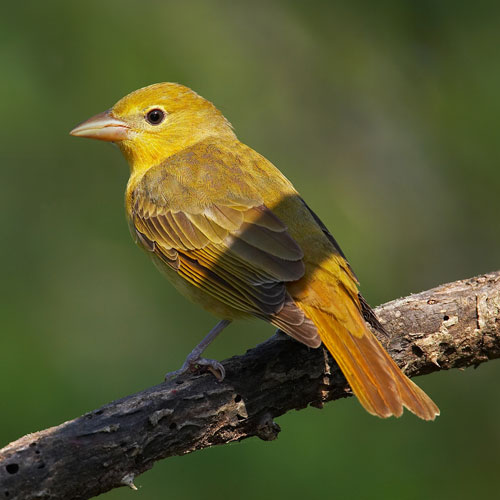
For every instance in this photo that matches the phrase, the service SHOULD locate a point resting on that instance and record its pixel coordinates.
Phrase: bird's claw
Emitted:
(213, 366)
(193, 364)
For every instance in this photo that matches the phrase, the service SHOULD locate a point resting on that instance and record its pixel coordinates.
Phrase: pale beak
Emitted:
(103, 127)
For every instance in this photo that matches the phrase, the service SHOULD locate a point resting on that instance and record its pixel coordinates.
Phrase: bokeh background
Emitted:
(385, 116)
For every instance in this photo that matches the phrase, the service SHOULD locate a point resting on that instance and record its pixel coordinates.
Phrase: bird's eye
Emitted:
(155, 116)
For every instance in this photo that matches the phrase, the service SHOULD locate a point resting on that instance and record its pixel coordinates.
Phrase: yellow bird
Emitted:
(231, 233)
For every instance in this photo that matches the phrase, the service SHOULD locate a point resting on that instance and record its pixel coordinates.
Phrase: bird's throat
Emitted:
(142, 153)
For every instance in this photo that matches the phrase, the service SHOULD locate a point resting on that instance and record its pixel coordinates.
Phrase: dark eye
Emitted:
(155, 116)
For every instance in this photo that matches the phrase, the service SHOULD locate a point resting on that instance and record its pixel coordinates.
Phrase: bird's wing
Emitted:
(228, 244)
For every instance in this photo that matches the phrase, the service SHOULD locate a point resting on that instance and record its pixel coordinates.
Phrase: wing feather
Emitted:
(214, 234)
(233, 247)
(195, 239)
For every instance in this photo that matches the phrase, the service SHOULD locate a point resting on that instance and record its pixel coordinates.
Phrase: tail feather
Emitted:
(384, 402)
(376, 380)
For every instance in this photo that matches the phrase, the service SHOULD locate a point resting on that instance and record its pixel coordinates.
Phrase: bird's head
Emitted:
(155, 122)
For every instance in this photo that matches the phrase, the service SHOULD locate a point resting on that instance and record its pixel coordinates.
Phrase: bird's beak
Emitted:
(103, 127)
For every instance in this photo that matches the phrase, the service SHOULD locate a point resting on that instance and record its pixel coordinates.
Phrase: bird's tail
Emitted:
(381, 387)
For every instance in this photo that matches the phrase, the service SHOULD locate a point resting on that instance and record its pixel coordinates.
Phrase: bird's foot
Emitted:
(195, 363)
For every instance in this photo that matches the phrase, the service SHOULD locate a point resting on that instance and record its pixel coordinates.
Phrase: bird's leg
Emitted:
(195, 360)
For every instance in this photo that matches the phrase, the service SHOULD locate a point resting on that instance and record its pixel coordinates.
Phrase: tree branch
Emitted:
(454, 325)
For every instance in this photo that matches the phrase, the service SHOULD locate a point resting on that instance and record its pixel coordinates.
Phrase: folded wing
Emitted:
(238, 252)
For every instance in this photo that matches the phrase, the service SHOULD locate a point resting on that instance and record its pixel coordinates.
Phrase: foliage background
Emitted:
(384, 115)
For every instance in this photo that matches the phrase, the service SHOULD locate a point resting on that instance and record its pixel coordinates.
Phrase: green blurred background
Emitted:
(385, 116)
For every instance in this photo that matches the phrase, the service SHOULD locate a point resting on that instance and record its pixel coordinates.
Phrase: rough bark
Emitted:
(454, 325)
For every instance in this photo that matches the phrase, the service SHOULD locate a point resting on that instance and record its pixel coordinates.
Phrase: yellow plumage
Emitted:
(232, 234)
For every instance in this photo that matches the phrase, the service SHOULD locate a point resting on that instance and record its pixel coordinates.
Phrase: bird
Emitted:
(233, 235)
